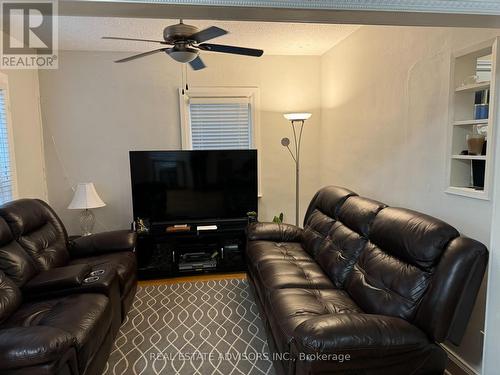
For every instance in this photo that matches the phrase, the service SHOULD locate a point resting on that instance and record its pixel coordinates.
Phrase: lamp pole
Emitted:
(297, 121)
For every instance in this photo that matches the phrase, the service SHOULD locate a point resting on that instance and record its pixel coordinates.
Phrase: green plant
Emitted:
(278, 219)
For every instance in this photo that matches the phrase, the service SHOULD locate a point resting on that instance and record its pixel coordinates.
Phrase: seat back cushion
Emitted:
(347, 237)
(396, 267)
(10, 297)
(320, 216)
(39, 231)
(14, 261)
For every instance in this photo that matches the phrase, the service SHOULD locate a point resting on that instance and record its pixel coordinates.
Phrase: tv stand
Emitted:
(191, 247)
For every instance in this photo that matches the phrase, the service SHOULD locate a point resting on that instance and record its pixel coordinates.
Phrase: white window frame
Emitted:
(253, 95)
(4, 85)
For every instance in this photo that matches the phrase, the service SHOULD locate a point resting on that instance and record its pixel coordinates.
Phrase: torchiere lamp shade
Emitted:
(297, 116)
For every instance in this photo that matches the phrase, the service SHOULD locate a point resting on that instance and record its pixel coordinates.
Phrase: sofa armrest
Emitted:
(31, 346)
(57, 279)
(357, 332)
(105, 242)
(277, 232)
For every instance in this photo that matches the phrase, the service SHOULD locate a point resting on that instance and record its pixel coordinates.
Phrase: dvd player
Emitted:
(197, 261)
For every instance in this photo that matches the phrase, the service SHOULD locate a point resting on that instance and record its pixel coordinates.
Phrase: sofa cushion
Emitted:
(279, 274)
(87, 317)
(40, 346)
(411, 236)
(339, 252)
(124, 262)
(10, 297)
(328, 201)
(278, 232)
(366, 334)
(114, 241)
(291, 307)
(262, 251)
(39, 231)
(383, 284)
(14, 260)
(321, 214)
(315, 231)
(358, 213)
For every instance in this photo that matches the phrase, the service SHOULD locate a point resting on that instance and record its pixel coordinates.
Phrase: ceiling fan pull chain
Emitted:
(186, 70)
(182, 79)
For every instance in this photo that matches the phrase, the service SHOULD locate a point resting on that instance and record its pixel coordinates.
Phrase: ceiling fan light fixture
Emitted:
(186, 41)
(184, 56)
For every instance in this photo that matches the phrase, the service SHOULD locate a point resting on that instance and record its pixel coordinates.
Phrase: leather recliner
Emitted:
(71, 333)
(40, 232)
(363, 288)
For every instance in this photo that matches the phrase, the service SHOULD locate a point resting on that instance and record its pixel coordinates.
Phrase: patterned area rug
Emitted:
(205, 327)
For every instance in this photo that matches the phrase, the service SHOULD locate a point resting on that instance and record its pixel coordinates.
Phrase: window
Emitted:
(220, 118)
(220, 123)
(7, 173)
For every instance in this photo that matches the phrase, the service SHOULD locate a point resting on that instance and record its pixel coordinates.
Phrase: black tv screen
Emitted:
(193, 185)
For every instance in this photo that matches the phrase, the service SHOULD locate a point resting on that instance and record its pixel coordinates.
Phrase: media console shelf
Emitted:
(193, 249)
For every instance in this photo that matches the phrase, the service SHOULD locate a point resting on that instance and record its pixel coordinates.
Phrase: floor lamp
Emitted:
(297, 120)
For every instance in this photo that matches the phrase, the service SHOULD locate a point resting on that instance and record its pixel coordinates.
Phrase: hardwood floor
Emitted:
(204, 277)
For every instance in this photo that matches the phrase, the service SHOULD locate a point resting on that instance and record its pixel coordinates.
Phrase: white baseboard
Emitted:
(462, 368)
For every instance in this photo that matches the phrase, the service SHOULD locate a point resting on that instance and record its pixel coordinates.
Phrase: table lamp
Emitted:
(85, 199)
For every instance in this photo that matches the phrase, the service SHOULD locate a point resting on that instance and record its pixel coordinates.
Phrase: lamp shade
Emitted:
(85, 197)
(299, 116)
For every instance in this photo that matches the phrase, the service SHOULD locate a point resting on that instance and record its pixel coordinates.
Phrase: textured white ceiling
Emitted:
(84, 34)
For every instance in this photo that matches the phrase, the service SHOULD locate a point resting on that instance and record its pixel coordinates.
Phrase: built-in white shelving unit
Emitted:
(462, 123)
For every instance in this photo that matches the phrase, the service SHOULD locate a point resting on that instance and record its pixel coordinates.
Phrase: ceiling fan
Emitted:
(186, 42)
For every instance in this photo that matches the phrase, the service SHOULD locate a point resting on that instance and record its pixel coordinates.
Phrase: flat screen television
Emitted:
(193, 185)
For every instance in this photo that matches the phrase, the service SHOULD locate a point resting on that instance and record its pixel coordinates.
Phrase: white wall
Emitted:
(27, 133)
(95, 111)
(379, 102)
(384, 103)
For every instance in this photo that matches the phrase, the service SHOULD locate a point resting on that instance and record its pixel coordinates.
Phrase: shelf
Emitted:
(469, 157)
(471, 122)
(474, 87)
(467, 192)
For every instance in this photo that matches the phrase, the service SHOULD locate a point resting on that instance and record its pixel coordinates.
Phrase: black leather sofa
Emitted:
(363, 288)
(41, 233)
(61, 302)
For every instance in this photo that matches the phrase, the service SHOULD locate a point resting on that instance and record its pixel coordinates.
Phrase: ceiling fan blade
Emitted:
(231, 49)
(133, 57)
(207, 34)
(134, 39)
(197, 64)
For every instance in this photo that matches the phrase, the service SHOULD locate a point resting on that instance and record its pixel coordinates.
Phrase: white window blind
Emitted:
(5, 162)
(220, 123)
